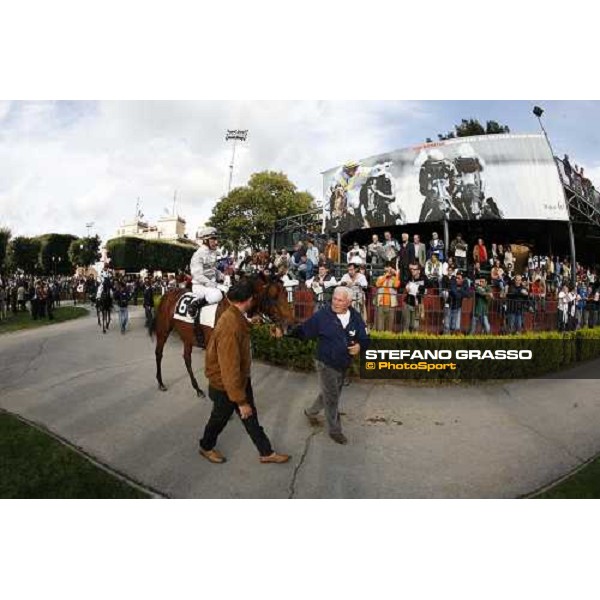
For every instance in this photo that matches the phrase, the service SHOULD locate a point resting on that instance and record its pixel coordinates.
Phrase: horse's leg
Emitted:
(187, 357)
(98, 315)
(161, 339)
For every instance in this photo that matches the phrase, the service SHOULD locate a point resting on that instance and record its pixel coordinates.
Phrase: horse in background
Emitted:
(270, 303)
(104, 307)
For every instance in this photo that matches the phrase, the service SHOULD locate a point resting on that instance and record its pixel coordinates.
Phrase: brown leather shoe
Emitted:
(338, 438)
(275, 458)
(312, 419)
(214, 456)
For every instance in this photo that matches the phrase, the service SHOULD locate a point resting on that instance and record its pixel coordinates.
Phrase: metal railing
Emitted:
(582, 197)
(434, 313)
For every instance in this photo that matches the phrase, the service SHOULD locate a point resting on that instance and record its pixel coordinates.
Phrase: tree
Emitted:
(84, 252)
(5, 235)
(23, 253)
(495, 127)
(470, 127)
(54, 253)
(247, 215)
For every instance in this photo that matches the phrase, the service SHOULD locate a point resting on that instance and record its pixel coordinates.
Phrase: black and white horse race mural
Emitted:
(476, 178)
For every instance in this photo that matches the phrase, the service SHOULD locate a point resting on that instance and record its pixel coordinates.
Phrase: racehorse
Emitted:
(104, 307)
(270, 298)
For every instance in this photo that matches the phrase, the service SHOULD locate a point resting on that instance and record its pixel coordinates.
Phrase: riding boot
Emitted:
(196, 306)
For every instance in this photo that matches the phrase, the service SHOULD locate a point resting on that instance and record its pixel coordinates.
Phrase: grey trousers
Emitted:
(330, 389)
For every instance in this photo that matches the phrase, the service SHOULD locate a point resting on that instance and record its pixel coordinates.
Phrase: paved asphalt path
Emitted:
(99, 393)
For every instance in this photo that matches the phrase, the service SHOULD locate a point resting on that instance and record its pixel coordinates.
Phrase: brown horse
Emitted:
(270, 300)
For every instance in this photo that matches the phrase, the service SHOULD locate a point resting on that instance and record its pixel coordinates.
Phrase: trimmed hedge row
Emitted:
(552, 351)
(134, 254)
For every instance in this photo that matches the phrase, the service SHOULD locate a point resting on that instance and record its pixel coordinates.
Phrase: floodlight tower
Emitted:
(538, 112)
(235, 135)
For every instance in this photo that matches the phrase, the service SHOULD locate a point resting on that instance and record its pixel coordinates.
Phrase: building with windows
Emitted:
(169, 228)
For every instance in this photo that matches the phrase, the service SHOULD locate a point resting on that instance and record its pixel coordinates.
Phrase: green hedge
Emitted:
(134, 254)
(552, 351)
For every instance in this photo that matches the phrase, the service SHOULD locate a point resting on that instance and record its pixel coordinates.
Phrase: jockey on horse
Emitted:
(205, 277)
(104, 281)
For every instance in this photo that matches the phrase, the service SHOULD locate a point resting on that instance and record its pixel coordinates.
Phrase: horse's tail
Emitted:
(152, 323)
(152, 327)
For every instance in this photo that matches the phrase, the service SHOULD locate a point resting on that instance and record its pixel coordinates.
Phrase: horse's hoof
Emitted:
(162, 388)
(104, 331)
(200, 394)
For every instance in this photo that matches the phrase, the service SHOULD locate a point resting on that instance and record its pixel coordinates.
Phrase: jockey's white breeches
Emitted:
(210, 294)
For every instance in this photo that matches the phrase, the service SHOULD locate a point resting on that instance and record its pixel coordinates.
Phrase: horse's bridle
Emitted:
(266, 304)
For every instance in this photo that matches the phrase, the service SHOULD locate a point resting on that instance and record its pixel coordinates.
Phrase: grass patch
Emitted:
(33, 464)
(584, 484)
(23, 320)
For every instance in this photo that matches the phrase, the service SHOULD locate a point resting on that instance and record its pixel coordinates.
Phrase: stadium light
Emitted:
(538, 112)
(235, 135)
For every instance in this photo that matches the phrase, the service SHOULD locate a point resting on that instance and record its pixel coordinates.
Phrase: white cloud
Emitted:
(65, 164)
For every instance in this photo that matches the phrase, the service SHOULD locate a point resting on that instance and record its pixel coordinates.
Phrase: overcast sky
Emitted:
(68, 163)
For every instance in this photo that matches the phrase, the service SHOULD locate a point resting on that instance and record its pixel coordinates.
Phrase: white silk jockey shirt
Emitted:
(203, 266)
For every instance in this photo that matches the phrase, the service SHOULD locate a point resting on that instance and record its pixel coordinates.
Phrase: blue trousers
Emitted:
(123, 317)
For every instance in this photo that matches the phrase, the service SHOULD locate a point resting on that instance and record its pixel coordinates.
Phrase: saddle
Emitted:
(206, 315)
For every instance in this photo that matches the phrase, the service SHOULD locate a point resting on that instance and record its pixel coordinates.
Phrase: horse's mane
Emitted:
(260, 277)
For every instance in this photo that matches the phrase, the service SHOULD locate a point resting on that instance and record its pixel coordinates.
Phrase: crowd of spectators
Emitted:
(402, 285)
(574, 177)
(20, 294)
(39, 295)
(396, 285)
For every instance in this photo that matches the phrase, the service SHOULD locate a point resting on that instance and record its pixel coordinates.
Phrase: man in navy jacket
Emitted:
(341, 333)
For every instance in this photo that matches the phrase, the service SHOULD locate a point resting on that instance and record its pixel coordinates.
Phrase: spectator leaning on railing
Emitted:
(538, 293)
(357, 284)
(458, 291)
(322, 286)
(414, 310)
(386, 300)
(434, 270)
(517, 300)
(483, 297)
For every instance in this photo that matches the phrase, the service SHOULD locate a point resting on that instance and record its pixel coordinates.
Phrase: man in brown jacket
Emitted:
(227, 368)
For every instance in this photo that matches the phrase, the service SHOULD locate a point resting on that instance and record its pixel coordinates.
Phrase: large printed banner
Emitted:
(476, 178)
